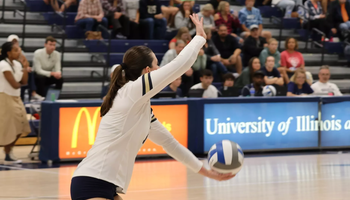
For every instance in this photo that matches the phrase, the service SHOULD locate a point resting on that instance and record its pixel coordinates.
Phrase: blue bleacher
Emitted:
(157, 46)
(116, 58)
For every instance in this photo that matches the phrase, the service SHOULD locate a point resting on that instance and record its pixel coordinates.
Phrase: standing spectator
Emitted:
(288, 5)
(182, 18)
(47, 67)
(213, 57)
(174, 87)
(208, 18)
(90, 15)
(249, 16)
(322, 86)
(256, 87)
(13, 120)
(223, 16)
(152, 19)
(229, 49)
(182, 34)
(290, 59)
(206, 78)
(272, 75)
(253, 45)
(338, 16)
(247, 74)
(31, 81)
(271, 50)
(298, 85)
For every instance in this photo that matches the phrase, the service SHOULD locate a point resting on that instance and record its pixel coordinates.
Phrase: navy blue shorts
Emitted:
(83, 187)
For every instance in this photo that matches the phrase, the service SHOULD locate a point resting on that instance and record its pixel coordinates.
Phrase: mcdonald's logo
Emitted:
(78, 128)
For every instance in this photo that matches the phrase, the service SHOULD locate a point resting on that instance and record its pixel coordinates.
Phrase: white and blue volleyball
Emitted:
(226, 157)
(269, 91)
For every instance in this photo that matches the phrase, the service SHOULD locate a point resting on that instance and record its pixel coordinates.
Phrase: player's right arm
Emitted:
(149, 84)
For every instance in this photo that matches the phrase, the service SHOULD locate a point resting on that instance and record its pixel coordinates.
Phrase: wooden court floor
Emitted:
(304, 177)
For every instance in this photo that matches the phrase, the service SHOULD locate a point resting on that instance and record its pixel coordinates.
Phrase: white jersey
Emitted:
(127, 125)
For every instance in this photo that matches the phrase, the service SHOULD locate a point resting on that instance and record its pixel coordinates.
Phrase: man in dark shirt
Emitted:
(229, 49)
(253, 45)
(255, 88)
(152, 20)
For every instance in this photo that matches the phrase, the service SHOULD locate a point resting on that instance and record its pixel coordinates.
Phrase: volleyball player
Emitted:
(127, 121)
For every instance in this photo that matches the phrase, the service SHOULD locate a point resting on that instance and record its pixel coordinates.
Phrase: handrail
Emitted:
(24, 21)
(106, 67)
(280, 31)
(63, 29)
(308, 24)
(323, 42)
(3, 11)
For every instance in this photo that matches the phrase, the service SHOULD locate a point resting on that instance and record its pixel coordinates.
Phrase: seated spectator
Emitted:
(256, 87)
(298, 85)
(206, 78)
(229, 81)
(223, 16)
(272, 75)
(171, 10)
(25, 64)
(316, 19)
(338, 17)
(56, 7)
(229, 49)
(114, 11)
(132, 11)
(174, 87)
(90, 15)
(287, 5)
(271, 50)
(47, 67)
(208, 18)
(199, 65)
(183, 34)
(253, 45)
(182, 18)
(213, 57)
(152, 19)
(322, 86)
(249, 16)
(67, 4)
(247, 74)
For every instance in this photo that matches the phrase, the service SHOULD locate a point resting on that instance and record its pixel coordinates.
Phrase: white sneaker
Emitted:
(37, 97)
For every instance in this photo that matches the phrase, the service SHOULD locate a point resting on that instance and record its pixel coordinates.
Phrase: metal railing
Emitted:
(306, 10)
(24, 15)
(62, 29)
(323, 42)
(108, 45)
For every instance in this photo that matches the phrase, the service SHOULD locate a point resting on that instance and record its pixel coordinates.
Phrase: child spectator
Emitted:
(182, 18)
(323, 86)
(271, 50)
(338, 16)
(298, 85)
(253, 45)
(272, 75)
(208, 18)
(174, 87)
(229, 49)
(247, 75)
(183, 34)
(223, 16)
(152, 19)
(256, 87)
(206, 78)
(229, 81)
(249, 16)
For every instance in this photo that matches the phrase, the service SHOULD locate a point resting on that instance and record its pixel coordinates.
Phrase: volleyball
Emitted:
(226, 157)
(269, 91)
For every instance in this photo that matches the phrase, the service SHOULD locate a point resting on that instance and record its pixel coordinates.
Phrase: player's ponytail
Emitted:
(135, 60)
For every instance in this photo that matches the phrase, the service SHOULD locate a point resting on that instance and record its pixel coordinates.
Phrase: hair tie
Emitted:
(123, 65)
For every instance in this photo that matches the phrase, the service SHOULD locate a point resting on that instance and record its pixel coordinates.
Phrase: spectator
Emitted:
(213, 57)
(290, 59)
(249, 16)
(223, 16)
(208, 18)
(253, 45)
(256, 87)
(215, 4)
(271, 50)
(247, 75)
(90, 15)
(172, 53)
(206, 78)
(152, 19)
(322, 86)
(183, 34)
(229, 49)
(338, 16)
(13, 120)
(199, 65)
(47, 67)
(67, 4)
(317, 18)
(174, 87)
(229, 81)
(171, 10)
(287, 5)
(298, 85)
(272, 75)
(182, 18)
(31, 81)
(132, 11)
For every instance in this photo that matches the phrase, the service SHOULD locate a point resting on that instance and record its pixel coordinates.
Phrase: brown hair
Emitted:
(228, 76)
(182, 10)
(135, 60)
(251, 70)
(287, 41)
(50, 39)
(181, 31)
(221, 6)
(296, 73)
